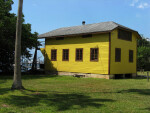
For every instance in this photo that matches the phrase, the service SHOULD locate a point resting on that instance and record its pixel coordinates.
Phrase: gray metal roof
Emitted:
(83, 29)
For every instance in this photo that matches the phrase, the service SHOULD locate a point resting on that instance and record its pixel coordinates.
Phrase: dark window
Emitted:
(118, 55)
(59, 38)
(94, 54)
(79, 54)
(130, 55)
(53, 54)
(87, 36)
(125, 35)
(65, 55)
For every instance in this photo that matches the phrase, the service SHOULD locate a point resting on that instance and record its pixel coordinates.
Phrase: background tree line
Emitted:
(7, 36)
(143, 54)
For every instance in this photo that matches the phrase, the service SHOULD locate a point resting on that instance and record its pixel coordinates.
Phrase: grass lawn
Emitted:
(45, 94)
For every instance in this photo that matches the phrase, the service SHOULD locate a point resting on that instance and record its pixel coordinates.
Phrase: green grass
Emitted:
(45, 94)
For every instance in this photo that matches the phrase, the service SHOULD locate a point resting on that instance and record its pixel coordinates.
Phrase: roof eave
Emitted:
(139, 36)
(98, 32)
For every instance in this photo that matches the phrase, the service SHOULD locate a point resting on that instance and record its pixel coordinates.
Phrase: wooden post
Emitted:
(148, 76)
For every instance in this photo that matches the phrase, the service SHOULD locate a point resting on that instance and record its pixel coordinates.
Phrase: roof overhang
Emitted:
(97, 32)
(71, 35)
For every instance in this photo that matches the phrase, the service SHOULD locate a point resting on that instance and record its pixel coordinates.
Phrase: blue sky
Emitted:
(47, 15)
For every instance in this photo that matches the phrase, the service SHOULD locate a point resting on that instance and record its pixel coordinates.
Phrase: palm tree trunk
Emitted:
(17, 83)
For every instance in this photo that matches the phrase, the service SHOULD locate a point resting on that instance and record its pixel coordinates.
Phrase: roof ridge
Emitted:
(84, 25)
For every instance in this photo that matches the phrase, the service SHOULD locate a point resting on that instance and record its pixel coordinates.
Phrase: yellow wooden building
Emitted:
(102, 50)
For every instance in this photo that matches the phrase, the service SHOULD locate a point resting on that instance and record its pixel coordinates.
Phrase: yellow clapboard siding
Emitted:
(123, 67)
(100, 41)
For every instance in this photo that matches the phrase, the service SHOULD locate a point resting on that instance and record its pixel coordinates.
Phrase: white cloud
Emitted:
(143, 5)
(134, 2)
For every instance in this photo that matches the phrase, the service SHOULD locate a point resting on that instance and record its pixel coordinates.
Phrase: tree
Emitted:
(17, 83)
(7, 27)
(7, 37)
(143, 57)
(143, 42)
(143, 54)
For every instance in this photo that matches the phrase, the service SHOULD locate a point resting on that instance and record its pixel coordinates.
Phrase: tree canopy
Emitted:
(7, 36)
(143, 54)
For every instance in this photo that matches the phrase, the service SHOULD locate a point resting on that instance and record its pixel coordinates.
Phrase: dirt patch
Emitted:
(5, 106)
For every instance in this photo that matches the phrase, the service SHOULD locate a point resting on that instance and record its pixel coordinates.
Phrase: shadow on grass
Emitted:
(140, 77)
(38, 76)
(3, 81)
(31, 91)
(26, 77)
(139, 91)
(4, 90)
(147, 109)
(59, 101)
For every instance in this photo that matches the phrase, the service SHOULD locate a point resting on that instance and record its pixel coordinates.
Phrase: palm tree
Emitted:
(17, 83)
